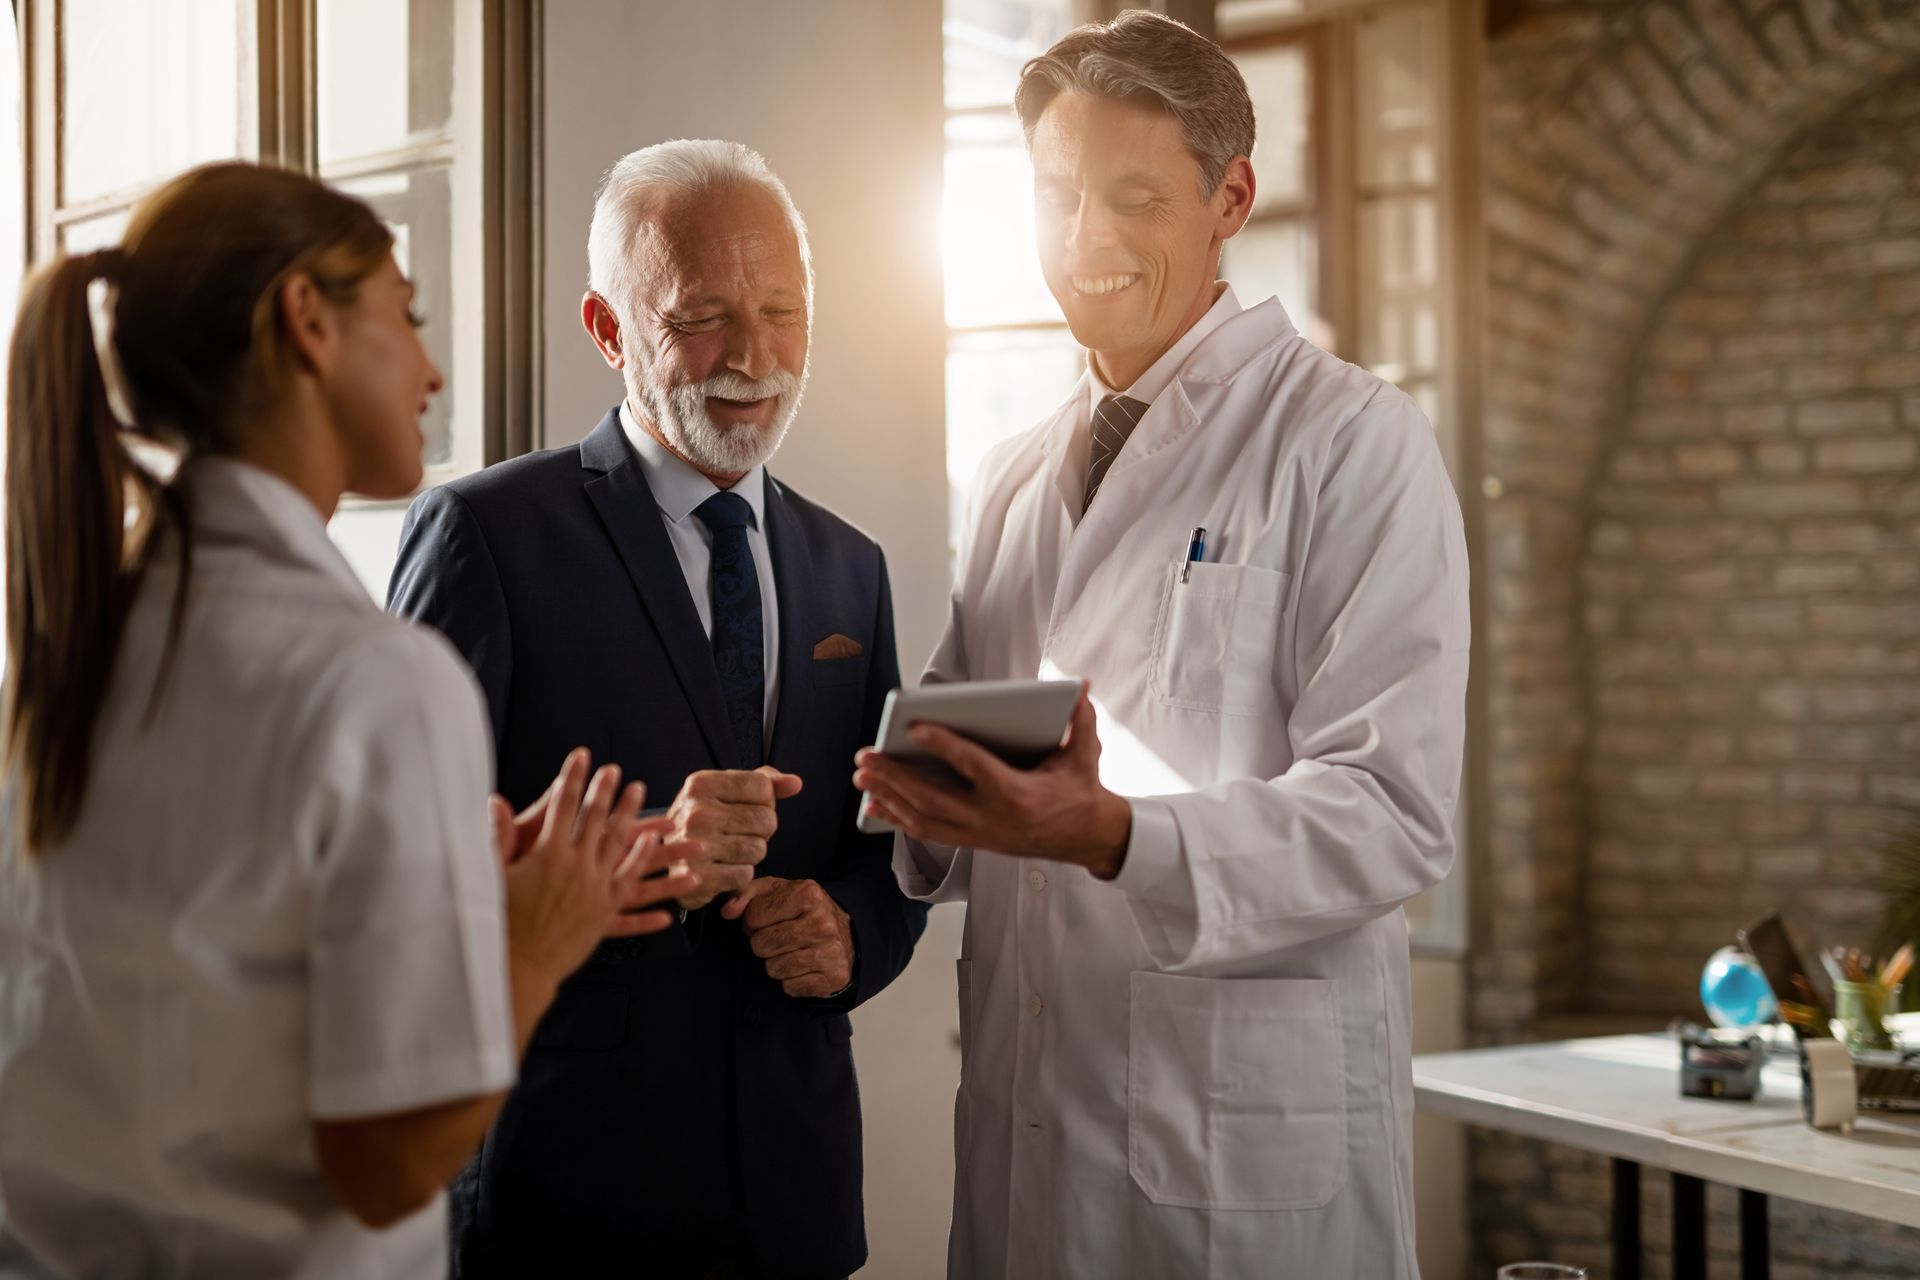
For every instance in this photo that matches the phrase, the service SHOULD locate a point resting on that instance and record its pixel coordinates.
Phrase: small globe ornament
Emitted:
(1734, 990)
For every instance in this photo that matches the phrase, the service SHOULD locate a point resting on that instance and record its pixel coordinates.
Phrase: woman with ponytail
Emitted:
(263, 983)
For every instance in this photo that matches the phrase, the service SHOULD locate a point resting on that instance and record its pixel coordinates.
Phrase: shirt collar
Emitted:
(1159, 376)
(240, 501)
(678, 487)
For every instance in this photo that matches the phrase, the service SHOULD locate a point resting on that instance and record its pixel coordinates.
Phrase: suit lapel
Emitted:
(620, 495)
(793, 579)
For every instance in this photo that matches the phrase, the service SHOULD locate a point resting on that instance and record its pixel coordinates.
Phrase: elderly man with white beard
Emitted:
(688, 1106)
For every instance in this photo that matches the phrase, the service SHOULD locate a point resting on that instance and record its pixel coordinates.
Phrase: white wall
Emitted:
(843, 97)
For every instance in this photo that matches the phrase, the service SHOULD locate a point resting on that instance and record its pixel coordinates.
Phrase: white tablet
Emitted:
(1021, 721)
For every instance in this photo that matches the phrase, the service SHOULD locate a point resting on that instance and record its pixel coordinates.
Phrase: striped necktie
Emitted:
(1114, 419)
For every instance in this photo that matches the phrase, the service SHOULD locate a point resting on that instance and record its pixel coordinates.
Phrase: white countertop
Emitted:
(1620, 1096)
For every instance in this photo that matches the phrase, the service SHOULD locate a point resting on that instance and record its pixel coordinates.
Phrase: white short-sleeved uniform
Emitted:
(280, 905)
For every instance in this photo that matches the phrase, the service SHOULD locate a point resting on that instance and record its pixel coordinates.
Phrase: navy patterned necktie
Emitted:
(1114, 419)
(739, 646)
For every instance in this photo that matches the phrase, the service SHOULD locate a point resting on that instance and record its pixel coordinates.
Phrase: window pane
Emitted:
(1235, 18)
(999, 384)
(368, 535)
(418, 206)
(99, 232)
(1275, 257)
(1395, 56)
(992, 271)
(1279, 81)
(385, 75)
(175, 73)
(1399, 286)
(987, 41)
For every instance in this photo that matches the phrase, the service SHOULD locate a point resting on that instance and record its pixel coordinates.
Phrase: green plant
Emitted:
(1900, 881)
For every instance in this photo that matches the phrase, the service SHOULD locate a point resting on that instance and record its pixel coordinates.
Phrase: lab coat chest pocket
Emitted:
(1236, 1092)
(1214, 646)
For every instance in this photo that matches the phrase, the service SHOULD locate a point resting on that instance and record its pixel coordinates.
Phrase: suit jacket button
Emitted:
(750, 1014)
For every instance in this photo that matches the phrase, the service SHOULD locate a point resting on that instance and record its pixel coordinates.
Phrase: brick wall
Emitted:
(1619, 137)
(1702, 545)
(1752, 576)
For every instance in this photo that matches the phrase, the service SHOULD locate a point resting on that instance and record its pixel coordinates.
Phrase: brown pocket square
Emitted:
(837, 646)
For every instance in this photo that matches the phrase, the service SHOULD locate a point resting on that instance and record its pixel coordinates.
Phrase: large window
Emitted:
(1352, 104)
(1010, 358)
(420, 107)
(1359, 128)
(1347, 223)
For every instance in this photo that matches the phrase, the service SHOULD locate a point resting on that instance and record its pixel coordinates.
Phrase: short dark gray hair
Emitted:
(1149, 57)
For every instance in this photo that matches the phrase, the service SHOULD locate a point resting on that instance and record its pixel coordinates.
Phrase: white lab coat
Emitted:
(279, 904)
(1202, 1068)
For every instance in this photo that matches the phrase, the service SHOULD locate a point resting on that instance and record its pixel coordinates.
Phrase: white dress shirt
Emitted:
(1201, 1067)
(678, 488)
(280, 904)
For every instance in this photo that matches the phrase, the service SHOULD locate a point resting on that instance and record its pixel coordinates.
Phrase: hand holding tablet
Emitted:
(1021, 721)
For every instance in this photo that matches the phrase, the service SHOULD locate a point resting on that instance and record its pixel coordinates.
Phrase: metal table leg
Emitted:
(1755, 1261)
(1626, 1220)
(1689, 1228)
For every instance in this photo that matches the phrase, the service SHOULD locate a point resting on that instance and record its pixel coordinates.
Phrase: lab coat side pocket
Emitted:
(1213, 647)
(1236, 1092)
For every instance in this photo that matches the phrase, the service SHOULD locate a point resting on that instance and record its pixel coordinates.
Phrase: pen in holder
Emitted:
(1861, 1009)
(1862, 998)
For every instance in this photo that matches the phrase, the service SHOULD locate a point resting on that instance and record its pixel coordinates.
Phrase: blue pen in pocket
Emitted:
(1196, 550)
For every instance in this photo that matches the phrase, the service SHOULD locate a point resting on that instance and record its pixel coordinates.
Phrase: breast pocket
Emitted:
(1236, 1092)
(1215, 642)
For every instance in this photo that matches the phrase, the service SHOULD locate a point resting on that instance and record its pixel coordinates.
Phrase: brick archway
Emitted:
(1617, 140)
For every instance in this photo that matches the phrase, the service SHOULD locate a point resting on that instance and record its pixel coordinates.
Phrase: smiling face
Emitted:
(714, 354)
(1128, 244)
(379, 385)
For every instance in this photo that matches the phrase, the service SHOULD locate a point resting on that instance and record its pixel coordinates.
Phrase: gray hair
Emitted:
(1149, 57)
(684, 166)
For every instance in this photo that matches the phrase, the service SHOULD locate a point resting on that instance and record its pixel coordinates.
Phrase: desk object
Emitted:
(1719, 1066)
(1615, 1096)
(1827, 1091)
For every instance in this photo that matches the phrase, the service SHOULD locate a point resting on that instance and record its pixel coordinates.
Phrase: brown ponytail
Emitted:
(66, 539)
(198, 359)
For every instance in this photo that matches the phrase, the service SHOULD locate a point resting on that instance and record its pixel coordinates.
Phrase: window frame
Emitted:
(278, 125)
(1328, 125)
(1459, 28)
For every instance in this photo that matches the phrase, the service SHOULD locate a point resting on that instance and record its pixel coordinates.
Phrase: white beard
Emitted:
(730, 449)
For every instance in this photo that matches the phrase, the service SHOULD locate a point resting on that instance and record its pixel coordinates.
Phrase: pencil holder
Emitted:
(1861, 1008)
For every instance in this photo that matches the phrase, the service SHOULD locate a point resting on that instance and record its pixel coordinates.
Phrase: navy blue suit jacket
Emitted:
(674, 1097)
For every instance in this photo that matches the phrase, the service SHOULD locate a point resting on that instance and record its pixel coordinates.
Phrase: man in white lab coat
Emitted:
(1184, 992)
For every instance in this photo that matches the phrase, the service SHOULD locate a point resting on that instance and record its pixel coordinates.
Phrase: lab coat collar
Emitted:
(236, 501)
(1234, 341)
(1149, 386)
(1064, 447)
(1057, 432)
(1222, 355)
(1238, 342)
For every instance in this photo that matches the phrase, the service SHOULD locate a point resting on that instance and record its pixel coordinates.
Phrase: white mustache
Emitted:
(729, 385)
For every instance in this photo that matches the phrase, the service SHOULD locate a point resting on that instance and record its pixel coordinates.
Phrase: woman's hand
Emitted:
(574, 862)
